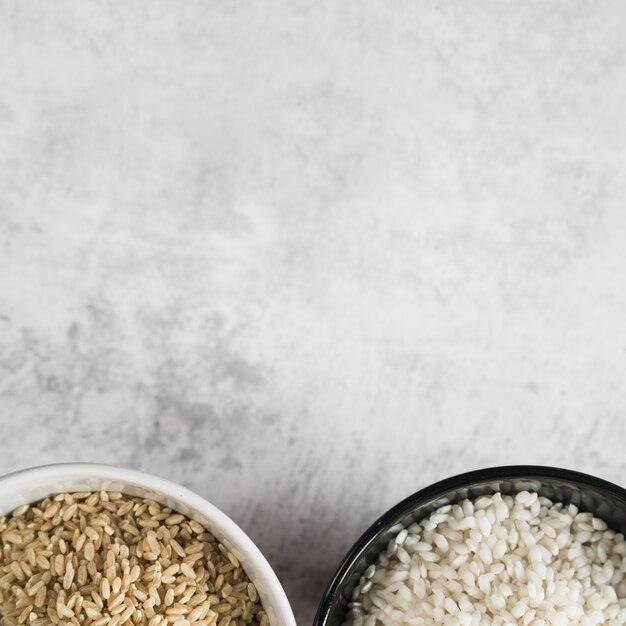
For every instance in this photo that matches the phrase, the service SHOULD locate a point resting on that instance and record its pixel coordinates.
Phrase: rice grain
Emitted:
(499, 560)
(107, 559)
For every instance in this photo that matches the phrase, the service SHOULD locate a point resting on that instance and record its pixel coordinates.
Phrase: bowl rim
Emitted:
(333, 590)
(60, 471)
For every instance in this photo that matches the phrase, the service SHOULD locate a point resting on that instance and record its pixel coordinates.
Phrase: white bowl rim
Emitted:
(170, 489)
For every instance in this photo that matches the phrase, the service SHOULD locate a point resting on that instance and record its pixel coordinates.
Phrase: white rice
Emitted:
(497, 561)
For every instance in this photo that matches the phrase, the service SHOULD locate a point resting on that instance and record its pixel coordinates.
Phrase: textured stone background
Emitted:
(307, 257)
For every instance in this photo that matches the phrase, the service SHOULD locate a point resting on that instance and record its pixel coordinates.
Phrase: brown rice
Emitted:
(108, 559)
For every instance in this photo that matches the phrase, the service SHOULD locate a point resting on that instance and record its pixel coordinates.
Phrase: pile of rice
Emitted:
(500, 561)
(107, 559)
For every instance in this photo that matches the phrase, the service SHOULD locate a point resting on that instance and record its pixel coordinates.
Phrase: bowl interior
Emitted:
(38, 483)
(16, 493)
(602, 498)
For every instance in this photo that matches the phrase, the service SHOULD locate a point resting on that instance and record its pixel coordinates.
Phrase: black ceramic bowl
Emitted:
(603, 499)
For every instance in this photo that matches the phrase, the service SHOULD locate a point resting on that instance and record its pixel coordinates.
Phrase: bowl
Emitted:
(602, 498)
(34, 484)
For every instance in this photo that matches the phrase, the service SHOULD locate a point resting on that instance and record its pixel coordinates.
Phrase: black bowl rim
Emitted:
(502, 472)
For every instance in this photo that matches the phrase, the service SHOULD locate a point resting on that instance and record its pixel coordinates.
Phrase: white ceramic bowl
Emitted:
(39, 482)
